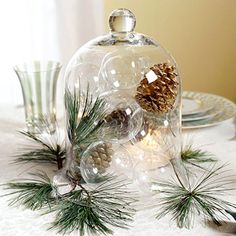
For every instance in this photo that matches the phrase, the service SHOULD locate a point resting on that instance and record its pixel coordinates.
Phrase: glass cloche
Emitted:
(128, 91)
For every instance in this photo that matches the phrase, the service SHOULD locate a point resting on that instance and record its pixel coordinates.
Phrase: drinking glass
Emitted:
(38, 81)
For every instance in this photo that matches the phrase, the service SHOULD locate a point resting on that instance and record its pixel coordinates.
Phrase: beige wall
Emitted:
(200, 34)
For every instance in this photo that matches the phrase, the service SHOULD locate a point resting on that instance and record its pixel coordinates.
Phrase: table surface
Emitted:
(19, 222)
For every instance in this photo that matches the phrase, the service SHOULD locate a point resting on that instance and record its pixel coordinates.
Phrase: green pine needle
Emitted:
(196, 157)
(204, 198)
(85, 118)
(233, 214)
(88, 210)
(49, 151)
(95, 211)
(31, 193)
(42, 156)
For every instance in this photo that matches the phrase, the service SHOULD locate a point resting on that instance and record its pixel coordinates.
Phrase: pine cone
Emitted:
(119, 119)
(158, 90)
(101, 156)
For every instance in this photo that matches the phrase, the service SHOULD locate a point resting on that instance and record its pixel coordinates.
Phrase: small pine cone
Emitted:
(157, 92)
(101, 156)
(119, 119)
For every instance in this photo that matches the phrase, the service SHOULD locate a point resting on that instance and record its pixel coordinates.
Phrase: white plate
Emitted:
(202, 116)
(224, 109)
(194, 106)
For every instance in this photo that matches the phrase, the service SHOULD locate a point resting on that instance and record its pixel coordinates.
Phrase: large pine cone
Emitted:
(158, 90)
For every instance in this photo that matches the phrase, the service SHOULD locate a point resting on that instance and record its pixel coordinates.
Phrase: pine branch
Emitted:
(95, 211)
(85, 118)
(49, 151)
(88, 210)
(196, 157)
(31, 193)
(81, 131)
(204, 198)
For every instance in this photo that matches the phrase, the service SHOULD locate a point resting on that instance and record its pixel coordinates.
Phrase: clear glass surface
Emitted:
(38, 83)
(119, 65)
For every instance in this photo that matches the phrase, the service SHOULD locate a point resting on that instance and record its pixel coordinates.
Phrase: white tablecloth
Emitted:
(19, 222)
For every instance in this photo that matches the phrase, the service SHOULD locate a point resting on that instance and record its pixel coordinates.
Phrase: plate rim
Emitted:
(222, 112)
(201, 117)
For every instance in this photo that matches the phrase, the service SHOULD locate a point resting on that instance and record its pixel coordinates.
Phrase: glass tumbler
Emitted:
(38, 81)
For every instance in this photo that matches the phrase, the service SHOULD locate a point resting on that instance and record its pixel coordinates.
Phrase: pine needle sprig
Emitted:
(72, 106)
(95, 211)
(49, 151)
(42, 155)
(90, 210)
(85, 118)
(196, 157)
(33, 193)
(37, 138)
(91, 122)
(203, 197)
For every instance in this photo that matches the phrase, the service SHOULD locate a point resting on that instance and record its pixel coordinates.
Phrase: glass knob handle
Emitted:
(122, 21)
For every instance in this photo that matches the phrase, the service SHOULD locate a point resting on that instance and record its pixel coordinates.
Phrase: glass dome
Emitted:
(139, 81)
